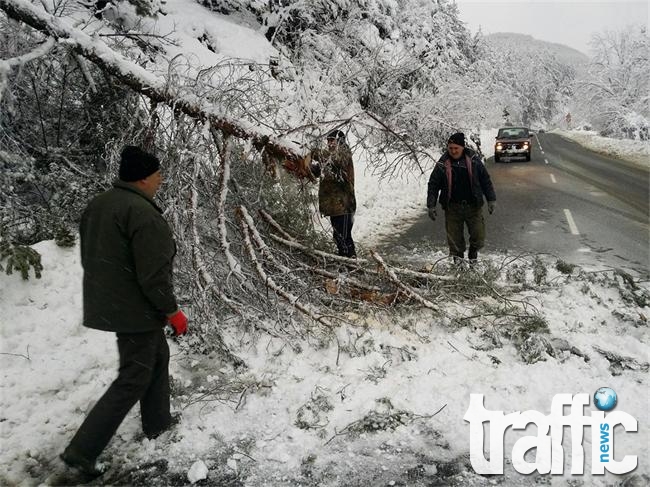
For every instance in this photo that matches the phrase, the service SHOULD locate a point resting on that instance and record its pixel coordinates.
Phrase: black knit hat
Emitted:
(458, 138)
(136, 164)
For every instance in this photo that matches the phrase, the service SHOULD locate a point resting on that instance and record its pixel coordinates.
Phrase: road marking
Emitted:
(542, 152)
(553, 179)
(545, 161)
(571, 222)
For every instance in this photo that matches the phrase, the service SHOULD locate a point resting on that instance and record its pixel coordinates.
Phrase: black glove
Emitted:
(491, 205)
(432, 213)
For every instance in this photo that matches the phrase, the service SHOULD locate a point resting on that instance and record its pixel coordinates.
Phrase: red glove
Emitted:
(178, 322)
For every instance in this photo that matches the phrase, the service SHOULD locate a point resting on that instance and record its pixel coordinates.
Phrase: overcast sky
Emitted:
(569, 22)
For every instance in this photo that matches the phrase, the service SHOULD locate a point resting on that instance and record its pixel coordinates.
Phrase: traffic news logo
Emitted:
(549, 456)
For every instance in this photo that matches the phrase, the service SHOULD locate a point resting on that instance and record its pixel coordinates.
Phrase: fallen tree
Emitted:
(243, 263)
(156, 89)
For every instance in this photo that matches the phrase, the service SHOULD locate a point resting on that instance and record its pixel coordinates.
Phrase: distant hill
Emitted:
(524, 42)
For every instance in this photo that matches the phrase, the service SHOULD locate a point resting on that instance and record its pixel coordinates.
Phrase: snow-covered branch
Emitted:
(150, 85)
(6, 65)
(224, 177)
(42, 50)
(407, 290)
(271, 284)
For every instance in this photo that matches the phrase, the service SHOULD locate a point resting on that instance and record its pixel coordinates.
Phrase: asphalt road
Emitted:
(567, 201)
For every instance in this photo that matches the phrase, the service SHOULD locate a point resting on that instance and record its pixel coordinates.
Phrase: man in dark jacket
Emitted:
(336, 191)
(459, 180)
(127, 251)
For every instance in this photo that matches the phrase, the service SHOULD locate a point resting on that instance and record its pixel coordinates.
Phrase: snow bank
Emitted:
(636, 151)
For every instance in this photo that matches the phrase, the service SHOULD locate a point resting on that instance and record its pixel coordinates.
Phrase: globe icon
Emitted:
(605, 398)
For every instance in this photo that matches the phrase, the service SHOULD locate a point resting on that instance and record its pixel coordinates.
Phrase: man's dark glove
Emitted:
(491, 205)
(178, 322)
(432, 213)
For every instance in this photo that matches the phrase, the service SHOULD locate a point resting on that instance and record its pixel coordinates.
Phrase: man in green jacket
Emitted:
(127, 251)
(336, 197)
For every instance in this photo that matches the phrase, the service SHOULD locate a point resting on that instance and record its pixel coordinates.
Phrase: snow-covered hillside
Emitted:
(528, 45)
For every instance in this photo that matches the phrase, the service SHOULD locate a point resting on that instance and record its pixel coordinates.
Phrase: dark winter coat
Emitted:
(441, 180)
(336, 190)
(127, 251)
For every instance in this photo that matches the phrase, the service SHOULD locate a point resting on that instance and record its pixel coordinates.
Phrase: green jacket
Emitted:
(336, 190)
(127, 250)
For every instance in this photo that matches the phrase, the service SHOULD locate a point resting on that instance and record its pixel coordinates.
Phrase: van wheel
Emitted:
(528, 157)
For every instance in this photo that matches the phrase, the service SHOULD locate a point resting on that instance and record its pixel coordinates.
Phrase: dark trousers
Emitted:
(457, 216)
(143, 376)
(342, 226)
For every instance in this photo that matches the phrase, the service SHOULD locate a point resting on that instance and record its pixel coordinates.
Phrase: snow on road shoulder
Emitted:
(635, 151)
(385, 206)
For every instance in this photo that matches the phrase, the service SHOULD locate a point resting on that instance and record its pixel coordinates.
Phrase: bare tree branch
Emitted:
(391, 274)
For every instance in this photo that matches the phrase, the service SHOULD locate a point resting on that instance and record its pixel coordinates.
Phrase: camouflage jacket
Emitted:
(336, 190)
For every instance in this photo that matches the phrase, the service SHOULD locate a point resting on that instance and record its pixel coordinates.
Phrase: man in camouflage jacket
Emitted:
(336, 191)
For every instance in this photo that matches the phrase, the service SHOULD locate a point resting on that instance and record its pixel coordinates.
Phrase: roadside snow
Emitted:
(276, 425)
(636, 151)
(384, 207)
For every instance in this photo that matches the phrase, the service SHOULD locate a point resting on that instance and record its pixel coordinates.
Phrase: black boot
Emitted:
(472, 255)
(89, 468)
(175, 419)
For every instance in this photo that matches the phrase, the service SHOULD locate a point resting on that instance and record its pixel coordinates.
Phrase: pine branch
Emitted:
(152, 86)
(409, 292)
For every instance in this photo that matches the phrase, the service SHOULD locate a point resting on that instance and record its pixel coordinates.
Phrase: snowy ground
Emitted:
(385, 206)
(272, 424)
(277, 422)
(636, 151)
